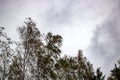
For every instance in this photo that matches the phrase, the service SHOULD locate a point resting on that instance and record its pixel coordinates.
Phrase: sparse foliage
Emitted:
(5, 54)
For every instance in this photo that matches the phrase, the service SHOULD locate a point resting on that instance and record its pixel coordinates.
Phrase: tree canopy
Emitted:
(38, 57)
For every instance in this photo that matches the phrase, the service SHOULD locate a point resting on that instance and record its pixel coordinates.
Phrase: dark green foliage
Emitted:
(115, 73)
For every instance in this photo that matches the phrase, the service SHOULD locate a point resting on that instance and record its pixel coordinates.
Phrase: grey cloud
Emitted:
(105, 46)
(60, 12)
(51, 12)
(65, 12)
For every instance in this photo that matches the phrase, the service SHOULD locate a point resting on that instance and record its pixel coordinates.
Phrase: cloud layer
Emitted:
(105, 46)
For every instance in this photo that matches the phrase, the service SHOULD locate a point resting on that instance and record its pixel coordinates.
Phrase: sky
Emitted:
(89, 25)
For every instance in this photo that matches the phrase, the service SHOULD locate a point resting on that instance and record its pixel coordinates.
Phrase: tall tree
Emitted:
(85, 69)
(30, 37)
(52, 53)
(39, 57)
(5, 53)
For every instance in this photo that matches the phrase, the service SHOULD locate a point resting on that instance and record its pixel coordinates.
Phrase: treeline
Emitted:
(37, 57)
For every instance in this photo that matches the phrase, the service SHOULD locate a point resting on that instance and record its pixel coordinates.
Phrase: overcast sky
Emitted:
(90, 25)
